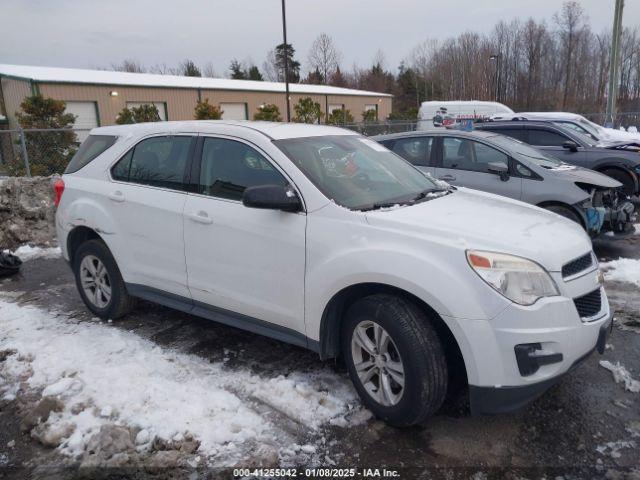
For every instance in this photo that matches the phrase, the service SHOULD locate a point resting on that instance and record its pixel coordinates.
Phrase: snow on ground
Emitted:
(613, 448)
(27, 252)
(621, 374)
(622, 270)
(104, 375)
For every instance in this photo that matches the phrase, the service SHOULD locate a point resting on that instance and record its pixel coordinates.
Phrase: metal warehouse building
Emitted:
(97, 96)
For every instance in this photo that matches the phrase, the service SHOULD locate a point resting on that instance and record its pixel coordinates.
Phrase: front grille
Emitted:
(578, 265)
(589, 305)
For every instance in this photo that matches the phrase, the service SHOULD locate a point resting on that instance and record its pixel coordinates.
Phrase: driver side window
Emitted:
(465, 154)
(228, 167)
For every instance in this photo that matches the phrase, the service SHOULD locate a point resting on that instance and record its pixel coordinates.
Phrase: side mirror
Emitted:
(499, 168)
(570, 145)
(272, 197)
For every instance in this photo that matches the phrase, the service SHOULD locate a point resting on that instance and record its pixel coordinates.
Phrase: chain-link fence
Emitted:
(38, 152)
(623, 119)
(46, 151)
(383, 127)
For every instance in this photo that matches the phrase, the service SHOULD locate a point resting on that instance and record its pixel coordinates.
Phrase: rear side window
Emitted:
(544, 138)
(157, 161)
(93, 146)
(517, 133)
(415, 150)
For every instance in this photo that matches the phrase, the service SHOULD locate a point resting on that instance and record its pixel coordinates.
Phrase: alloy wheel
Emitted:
(95, 281)
(377, 363)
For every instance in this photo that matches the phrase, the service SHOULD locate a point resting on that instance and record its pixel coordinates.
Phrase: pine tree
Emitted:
(144, 113)
(268, 112)
(293, 64)
(340, 117)
(237, 72)
(254, 74)
(49, 152)
(307, 111)
(205, 111)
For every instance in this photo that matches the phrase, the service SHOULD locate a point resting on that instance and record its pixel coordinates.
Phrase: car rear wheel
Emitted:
(628, 184)
(395, 359)
(99, 281)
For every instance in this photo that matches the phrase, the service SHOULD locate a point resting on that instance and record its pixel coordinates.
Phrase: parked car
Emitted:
(614, 160)
(498, 164)
(325, 239)
(437, 114)
(576, 122)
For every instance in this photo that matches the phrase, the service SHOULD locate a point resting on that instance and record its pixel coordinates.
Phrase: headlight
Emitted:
(520, 280)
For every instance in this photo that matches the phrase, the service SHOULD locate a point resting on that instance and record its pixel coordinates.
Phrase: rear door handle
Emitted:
(117, 196)
(447, 178)
(200, 217)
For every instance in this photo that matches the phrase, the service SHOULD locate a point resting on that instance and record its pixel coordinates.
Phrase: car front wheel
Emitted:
(395, 359)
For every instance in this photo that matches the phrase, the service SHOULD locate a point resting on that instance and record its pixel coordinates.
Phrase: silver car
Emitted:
(505, 166)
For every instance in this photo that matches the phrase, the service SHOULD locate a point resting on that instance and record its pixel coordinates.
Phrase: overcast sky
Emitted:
(90, 33)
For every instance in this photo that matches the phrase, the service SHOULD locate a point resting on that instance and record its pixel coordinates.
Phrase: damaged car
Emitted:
(502, 165)
(619, 160)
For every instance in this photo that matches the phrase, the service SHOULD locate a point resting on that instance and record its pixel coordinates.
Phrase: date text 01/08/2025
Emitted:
(316, 473)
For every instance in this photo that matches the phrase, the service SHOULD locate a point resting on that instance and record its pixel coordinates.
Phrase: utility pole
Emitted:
(286, 60)
(614, 66)
(497, 57)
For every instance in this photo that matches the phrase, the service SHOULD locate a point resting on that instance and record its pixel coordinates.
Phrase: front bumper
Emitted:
(495, 400)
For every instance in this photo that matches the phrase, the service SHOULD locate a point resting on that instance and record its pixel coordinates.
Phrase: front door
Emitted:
(552, 143)
(465, 162)
(243, 260)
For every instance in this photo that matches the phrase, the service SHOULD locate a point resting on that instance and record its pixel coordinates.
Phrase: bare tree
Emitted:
(570, 22)
(208, 70)
(324, 57)
(129, 65)
(270, 67)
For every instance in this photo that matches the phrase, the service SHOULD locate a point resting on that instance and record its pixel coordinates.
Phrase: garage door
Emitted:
(234, 111)
(161, 106)
(86, 117)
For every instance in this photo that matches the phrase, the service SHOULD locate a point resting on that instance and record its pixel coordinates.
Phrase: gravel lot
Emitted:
(587, 426)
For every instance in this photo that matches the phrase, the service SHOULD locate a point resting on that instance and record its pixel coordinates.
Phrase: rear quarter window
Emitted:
(90, 149)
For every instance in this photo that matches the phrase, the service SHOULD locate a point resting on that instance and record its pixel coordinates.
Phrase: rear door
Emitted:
(243, 260)
(552, 141)
(147, 197)
(465, 162)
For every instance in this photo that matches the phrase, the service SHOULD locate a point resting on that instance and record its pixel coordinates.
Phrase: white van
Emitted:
(437, 114)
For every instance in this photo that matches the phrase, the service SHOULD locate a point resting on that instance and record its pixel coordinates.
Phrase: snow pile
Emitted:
(621, 374)
(106, 376)
(622, 270)
(27, 252)
(613, 448)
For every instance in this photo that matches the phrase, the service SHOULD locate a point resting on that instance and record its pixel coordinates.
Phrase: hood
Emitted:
(611, 134)
(583, 175)
(631, 145)
(470, 219)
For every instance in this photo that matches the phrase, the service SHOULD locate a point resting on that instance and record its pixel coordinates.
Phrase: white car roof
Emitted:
(273, 130)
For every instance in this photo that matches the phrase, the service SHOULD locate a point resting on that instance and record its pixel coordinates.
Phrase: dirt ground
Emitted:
(558, 436)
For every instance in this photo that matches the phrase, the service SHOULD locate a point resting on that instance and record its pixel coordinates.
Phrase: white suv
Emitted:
(325, 239)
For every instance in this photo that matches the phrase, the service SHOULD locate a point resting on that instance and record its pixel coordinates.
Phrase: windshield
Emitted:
(356, 172)
(521, 148)
(583, 129)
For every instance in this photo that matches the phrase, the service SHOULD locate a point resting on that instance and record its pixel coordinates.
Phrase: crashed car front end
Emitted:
(607, 212)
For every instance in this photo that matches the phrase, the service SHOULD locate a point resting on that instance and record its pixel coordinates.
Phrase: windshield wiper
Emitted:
(378, 206)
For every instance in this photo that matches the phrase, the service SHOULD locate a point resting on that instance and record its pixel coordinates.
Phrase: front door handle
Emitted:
(117, 196)
(447, 178)
(201, 217)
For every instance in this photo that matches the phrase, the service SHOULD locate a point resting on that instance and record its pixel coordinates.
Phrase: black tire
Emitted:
(120, 302)
(628, 184)
(421, 352)
(565, 212)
